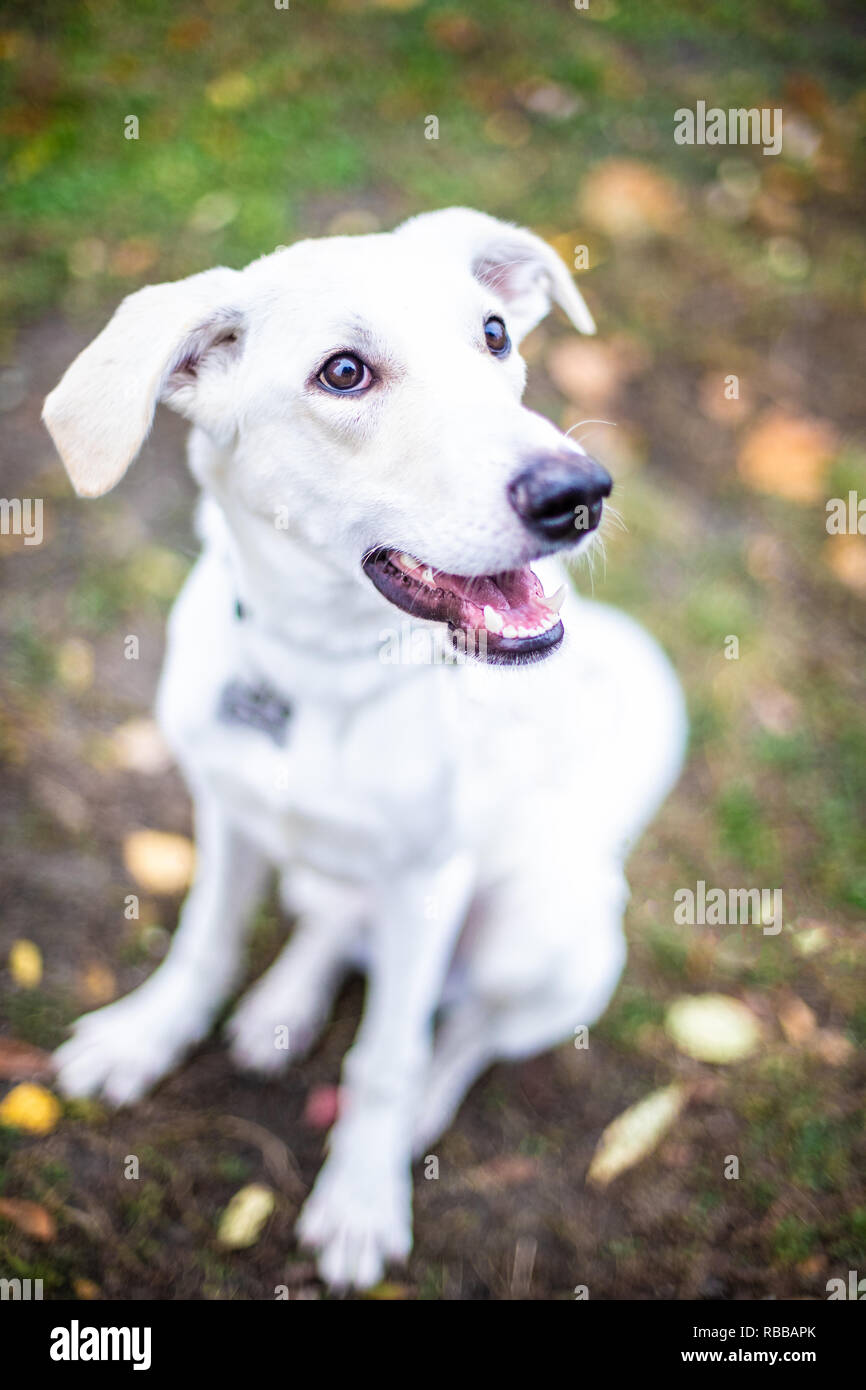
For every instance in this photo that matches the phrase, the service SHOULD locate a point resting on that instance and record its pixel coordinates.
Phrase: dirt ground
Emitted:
(741, 265)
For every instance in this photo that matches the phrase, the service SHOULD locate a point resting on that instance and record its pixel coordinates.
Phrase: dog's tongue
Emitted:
(509, 590)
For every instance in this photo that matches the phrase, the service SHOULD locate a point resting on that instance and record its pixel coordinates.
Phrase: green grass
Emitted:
(278, 109)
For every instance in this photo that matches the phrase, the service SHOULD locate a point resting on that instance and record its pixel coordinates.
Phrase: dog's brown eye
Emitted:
(345, 373)
(497, 337)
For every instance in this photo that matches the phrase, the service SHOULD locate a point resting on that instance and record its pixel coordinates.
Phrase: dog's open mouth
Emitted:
(500, 617)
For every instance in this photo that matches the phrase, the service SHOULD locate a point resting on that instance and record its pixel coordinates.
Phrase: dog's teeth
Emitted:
(408, 560)
(555, 602)
(524, 632)
(428, 574)
(493, 621)
(509, 631)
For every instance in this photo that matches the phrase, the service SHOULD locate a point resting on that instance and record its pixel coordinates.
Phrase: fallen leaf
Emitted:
(499, 1173)
(159, 862)
(810, 938)
(712, 1028)
(244, 1218)
(508, 129)
(31, 1108)
(548, 99)
(719, 406)
(187, 34)
(846, 556)
(86, 1289)
(230, 92)
(75, 664)
(788, 455)
(588, 373)
(157, 572)
(98, 984)
(354, 222)
(67, 806)
(25, 963)
(765, 558)
(22, 1061)
(833, 1047)
(776, 709)
(455, 31)
(133, 256)
(798, 1021)
(387, 1293)
(322, 1107)
(138, 746)
(213, 211)
(635, 1133)
(628, 199)
(31, 1218)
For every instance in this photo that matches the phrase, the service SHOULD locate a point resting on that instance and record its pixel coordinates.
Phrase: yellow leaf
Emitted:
(31, 1108)
(75, 664)
(713, 1027)
(159, 862)
(25, 963)
(157, 572)
(635, 1133)
(98, 983)
(787, 455)
(231, 91)
(242, 1221)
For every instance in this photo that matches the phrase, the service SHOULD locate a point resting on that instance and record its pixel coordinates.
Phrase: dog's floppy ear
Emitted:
(101, 412)
(520, 266)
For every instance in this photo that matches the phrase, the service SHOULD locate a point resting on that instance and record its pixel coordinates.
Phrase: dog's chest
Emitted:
(343, 787)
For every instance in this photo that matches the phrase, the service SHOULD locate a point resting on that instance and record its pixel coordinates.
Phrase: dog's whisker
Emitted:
(578, 423)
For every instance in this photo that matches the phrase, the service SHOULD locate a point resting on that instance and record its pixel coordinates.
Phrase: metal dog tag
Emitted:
(257, 706)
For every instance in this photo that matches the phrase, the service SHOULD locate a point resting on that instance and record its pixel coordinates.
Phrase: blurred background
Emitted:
(256, 126)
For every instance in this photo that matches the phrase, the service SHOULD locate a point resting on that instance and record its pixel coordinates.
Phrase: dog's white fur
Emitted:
(463, 827)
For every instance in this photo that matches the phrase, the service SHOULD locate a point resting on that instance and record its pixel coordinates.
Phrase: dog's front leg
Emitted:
(125, 1048)
(359, 1214)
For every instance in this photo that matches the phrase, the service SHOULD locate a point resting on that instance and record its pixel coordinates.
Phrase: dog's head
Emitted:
(368, 389)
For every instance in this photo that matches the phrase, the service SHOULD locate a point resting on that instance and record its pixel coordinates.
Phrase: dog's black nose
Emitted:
(560, 498)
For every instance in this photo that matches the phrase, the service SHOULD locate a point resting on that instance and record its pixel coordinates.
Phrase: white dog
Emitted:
(374, 495)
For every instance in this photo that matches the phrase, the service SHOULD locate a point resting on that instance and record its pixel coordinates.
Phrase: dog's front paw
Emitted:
(268, 1030)
(357, 1221)
(122, 1051)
